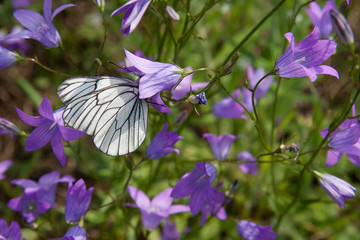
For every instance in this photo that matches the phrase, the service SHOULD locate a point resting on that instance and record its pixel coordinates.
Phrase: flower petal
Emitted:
(140, 198)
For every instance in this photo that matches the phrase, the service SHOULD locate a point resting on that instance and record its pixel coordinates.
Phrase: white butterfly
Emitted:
(108, 109)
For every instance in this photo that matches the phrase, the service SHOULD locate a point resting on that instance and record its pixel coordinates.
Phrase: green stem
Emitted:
(36, 60)
(257, 26)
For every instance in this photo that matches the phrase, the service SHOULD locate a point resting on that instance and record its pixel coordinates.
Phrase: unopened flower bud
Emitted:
(229, 66)
(8, 127)
(100, 4)
(342, 27)
(172, 13)
(198, 99)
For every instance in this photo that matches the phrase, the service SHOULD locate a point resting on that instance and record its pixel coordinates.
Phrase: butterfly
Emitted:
(108, 109)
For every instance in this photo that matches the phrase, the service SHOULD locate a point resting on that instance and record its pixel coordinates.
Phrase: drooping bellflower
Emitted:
(163, 143)
(336, 188)
(251, 231)
(40, 27)
(77, 201)
(50, 128)
(220, 145)
(45, 187)
(11, 233)
(74, 233)
(7, 58)
(15, 40)
(170, 231)
(247, 167)
(152, 212)
(321, 17)
(214, 207)
(29, 205)
(197, 184)
(4, 166)
(228, 108)
(254, 76)
(304, 58)
(135, 9)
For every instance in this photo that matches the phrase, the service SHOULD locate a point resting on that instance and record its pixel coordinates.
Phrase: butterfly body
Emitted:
(108, 109)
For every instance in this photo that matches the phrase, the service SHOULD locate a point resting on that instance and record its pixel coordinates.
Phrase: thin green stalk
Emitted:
(257, 26)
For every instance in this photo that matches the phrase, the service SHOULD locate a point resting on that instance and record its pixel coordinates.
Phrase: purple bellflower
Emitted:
(29, 205)
(251, 231)
(228, 108)
(344, 140)
(214, 207)
(135, 9)
(152, 212)
(197, 184)
(41, 28)
(254, 77)
(7, 127)
(304, 58)
(77, 201)
(4, 166)
(321, 17)
(21, 3)
(15, 40)
(7, 58)
(220, 145)
(74, 233)
(157, 76)
(50, 128)
(163, 143)
(170, 231)
(13, 233)
(45, 187)
(336, 188)
(247, 167)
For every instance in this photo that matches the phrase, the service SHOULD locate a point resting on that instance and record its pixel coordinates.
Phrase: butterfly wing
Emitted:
(107, 108)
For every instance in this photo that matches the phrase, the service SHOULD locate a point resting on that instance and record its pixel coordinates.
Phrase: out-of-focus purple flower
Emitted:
(135, 9)
(7, 127)
(50, 128)
(21, 3)
(214, 207)
(247, 167)
(7, 58)
(45, 187)
(13, 233)
(228, 108)
(157, 76)
(170, 231)
(29, 205)
(197, 184)
(304, 58)
(77, 201)
(74, 233)
(336, 188)
(172, 13)
(4, 166)
(348, 2)
(41, 28)
(321, 17)
(251, 231)
(152, 212)
(163, 143)
(15, 40)
(220, 145)
(254, 77)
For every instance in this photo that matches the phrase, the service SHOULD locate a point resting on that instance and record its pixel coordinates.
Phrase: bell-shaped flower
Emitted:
(21, 3)
(135, 9)
(304, 58)
(197, 184)
(163, 143)
(45, 187)
(74, 233)
(220, 145)
(50, 128)
(254, 76)
(11, 233)
(321, 17)
(77, 201)
(228, 108)
(170, 231)
(247, 167)
(214, 207)
(251, 231)
(15, 40)
(157, 76)
(29, 205)
(152, 212)
(4, 166)
(7, 58)
(7, 127)
(336, 188)
(40, 27)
